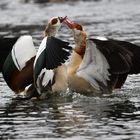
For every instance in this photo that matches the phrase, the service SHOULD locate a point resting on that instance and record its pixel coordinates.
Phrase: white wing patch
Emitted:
(101, 38)
(94, 66)
(43, 79)
(40, 49)
(22, 51)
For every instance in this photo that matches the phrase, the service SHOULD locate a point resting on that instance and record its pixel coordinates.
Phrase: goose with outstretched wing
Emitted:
(50, 72)
(99, 65)
(26, 70)
(49, 69)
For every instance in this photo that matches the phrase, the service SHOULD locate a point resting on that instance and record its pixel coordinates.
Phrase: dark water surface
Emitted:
(72, 116)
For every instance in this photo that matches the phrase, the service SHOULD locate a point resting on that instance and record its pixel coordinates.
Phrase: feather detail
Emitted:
(94, 66)
(22, 51)
(52, 53)
(44, 80)
(118, 57)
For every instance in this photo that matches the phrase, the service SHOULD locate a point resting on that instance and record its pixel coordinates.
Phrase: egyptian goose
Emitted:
(99, 65)
(49, 69)
(37, 72)
(18, 66)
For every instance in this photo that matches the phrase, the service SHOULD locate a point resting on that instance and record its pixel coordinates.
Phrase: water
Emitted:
(72, 116)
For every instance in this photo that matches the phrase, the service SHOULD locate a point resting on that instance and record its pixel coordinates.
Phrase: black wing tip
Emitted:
(57, 43)
(57, 52)
(57, 40)
(58, 58)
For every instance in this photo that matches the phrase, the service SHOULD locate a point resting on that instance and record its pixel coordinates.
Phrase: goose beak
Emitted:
(62, 19)
(69, 23)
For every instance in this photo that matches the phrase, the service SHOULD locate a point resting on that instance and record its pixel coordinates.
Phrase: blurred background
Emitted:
(72, 116)
(113, 18)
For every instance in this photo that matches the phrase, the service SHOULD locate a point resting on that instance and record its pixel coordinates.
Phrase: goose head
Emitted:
(79, 35)
(53, 26)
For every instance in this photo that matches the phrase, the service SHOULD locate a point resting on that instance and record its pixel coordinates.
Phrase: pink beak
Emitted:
(69, 23)
(62, 19)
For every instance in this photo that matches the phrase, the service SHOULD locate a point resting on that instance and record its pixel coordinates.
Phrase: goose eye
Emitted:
(54, 21)
(79, 27)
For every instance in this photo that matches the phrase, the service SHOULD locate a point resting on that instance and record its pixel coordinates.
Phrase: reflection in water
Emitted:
(72, 116)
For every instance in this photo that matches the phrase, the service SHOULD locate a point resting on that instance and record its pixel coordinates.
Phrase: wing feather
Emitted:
(94, 67)
(6, 45)
(44, 79)
(135, 57)
(52, 53)
(23, 51)
(58, 51)
(118, 57)
(107, 62)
